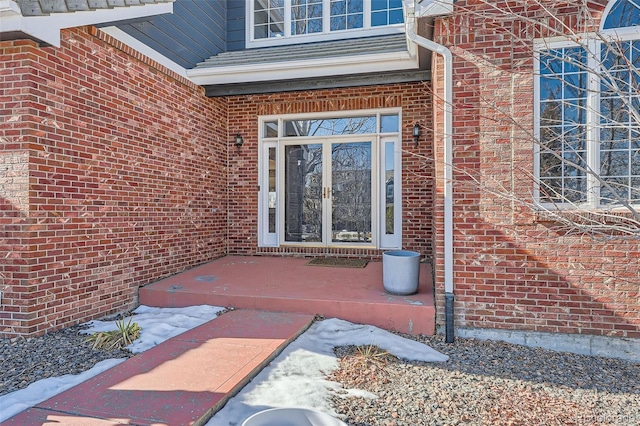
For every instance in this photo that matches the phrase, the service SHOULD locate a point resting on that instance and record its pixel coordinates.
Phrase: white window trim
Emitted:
(381, 240)
(325, 35)
(592, 45)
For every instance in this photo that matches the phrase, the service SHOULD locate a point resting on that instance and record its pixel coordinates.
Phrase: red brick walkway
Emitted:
(182, 381)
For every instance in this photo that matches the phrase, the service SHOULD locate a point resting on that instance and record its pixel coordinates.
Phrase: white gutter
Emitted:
(448, 158)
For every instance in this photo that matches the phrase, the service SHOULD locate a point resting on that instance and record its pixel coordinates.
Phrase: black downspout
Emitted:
(448, 313)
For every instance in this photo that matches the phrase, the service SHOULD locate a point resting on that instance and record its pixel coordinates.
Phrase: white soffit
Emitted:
(47, 28)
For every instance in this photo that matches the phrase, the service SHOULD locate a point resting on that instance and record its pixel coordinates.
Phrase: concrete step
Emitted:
(288, 284)
(182, 381)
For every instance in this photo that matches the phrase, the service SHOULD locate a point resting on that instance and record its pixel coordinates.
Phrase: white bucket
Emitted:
(292, 417)
(401, 271)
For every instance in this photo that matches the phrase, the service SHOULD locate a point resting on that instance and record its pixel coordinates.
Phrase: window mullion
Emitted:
(367, 14)
(593, 123)
(250, 29)
(326, 16)
(287, 18)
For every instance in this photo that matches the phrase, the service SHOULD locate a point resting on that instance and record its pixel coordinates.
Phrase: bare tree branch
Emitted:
(592, 64)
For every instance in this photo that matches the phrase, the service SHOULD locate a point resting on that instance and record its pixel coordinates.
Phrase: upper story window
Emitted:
(296, 21)
(588, 116)
(386, 12)
(346, 14)
(268, 18)
(622, 14)
(306, 17)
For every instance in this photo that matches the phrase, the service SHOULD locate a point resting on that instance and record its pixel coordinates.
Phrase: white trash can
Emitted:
(292, 417)
(401, 272)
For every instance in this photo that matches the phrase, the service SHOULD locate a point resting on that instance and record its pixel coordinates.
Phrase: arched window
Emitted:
(588, 115)
(622, 14)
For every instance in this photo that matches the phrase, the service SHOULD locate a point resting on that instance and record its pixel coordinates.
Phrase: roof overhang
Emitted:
(46, 29)
(301, 69)
(332, 82)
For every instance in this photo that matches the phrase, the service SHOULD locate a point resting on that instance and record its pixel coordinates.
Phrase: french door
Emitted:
(329, 192)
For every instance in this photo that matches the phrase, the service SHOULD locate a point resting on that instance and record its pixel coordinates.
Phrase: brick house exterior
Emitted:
(514, 269)
(115, 184)
(118, 171)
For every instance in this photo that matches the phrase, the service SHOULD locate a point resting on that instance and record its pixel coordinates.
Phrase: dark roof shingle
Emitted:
(318, 50)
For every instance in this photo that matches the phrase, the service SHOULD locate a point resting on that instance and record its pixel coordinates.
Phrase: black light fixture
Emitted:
(239, 141)
(416, 133)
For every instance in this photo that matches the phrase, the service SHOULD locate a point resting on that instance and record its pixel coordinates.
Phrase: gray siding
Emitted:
(236, 25)
(196, 30)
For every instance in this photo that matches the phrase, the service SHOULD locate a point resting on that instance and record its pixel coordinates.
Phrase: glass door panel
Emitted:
(271, 201)
(303, 193)
(389, 196)
(351, 192)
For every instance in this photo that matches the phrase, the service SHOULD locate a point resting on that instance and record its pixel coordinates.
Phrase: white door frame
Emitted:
(382, 236)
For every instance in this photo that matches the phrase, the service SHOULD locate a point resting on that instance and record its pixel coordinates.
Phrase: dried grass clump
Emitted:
(126, 334)
(362, 364)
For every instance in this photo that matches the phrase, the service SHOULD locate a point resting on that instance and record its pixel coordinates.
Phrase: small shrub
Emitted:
(126, 334)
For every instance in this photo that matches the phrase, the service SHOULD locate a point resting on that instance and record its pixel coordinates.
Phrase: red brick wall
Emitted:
(513, 270)
(126, 180)
(415, 101)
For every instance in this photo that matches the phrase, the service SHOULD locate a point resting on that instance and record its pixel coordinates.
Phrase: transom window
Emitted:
(275, 21)
(588, 124)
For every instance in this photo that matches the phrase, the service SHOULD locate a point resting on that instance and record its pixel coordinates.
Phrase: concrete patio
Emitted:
(288, 284)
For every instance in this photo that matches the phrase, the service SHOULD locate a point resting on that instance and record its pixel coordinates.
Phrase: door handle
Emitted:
(326, 192)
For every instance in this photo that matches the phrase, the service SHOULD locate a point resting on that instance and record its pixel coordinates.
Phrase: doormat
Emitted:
(340, 262)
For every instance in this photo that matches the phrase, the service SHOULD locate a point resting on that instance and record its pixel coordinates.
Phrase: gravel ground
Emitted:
(483, 383)
(27, 360)
(489, 383)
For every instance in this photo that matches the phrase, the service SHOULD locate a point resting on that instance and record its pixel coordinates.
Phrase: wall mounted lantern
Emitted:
(239, 141)
(416, 133)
